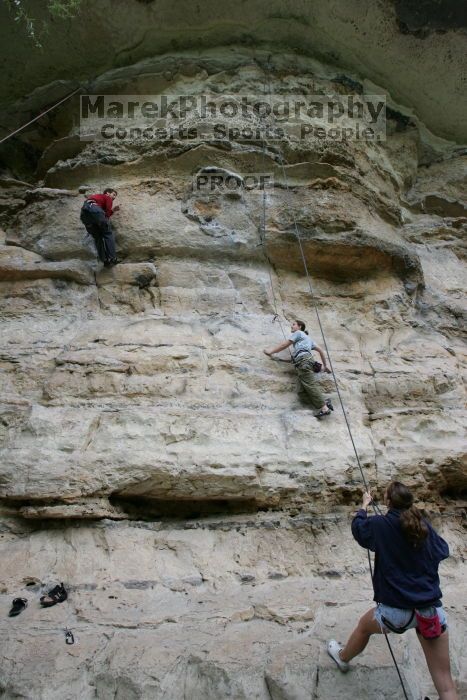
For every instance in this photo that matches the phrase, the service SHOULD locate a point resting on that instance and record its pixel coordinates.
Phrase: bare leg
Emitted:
(359, 638)
(437, 658)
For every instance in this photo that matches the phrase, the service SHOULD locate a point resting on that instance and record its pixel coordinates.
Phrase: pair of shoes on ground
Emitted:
(58, 594)
(321, 413)
(333, 649)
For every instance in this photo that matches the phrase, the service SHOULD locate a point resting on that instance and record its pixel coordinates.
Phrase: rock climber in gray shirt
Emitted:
(302, 358)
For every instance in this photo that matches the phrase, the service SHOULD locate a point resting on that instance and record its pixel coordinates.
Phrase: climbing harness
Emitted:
(267, 90)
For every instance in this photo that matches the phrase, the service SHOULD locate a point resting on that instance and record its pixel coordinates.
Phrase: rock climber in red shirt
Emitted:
(95, 215)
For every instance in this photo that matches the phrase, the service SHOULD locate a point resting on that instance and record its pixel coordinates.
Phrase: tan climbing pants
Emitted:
(308, 380)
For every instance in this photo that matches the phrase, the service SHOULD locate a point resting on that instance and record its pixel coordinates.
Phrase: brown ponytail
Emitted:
(413, 526)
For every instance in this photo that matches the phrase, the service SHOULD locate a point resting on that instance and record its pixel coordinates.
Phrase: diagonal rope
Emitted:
(16, 131)
(328, 354)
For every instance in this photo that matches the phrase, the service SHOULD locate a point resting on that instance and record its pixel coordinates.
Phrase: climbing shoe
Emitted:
(329, 404)
(56, 595)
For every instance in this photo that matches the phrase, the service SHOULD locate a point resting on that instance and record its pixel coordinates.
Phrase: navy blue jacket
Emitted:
(404, 576)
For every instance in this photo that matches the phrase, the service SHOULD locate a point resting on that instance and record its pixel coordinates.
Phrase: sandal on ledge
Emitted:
(56, 595)
(18, 605)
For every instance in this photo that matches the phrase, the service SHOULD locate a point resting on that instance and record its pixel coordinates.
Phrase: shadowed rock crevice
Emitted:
(445, 488)
(138, 509)
(442, 206)
(345, 256)
(422, 18)
(183, 509)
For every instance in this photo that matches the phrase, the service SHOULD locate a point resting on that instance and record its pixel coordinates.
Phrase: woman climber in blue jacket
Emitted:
(408, 552)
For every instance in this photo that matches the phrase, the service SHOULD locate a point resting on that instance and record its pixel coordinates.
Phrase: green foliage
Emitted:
(64, 8)
(36, 29)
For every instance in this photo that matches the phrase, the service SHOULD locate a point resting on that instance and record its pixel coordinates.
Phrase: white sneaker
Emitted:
(334, 648)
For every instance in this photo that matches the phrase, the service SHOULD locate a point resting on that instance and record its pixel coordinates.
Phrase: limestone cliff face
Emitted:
(157, 462)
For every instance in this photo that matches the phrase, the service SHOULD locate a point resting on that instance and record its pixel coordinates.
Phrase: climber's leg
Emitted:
(437, 658)
(308, 381)
(359, 638)
(98, 226)
(108, 242)
(95, 232)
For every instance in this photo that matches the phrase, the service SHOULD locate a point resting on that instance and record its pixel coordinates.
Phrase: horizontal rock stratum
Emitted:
(157, 462)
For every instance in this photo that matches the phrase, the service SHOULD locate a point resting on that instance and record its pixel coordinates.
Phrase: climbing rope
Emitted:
(269, 265)
(16, 131)
(267, 91)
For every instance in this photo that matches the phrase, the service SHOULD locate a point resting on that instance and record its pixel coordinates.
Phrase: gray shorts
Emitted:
(401, 617)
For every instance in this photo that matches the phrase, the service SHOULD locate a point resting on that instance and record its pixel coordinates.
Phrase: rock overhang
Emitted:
(392, 44)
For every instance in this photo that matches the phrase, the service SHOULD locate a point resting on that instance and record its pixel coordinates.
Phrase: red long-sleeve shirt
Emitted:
(105, 201)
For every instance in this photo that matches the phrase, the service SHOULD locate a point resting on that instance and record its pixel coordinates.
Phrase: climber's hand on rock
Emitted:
(268, 353)
(366, 499)
(327, 370)
(117, 208)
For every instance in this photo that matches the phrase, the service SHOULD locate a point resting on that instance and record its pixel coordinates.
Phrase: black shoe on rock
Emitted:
(58, 594)
(18, 605)
(322, 414)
